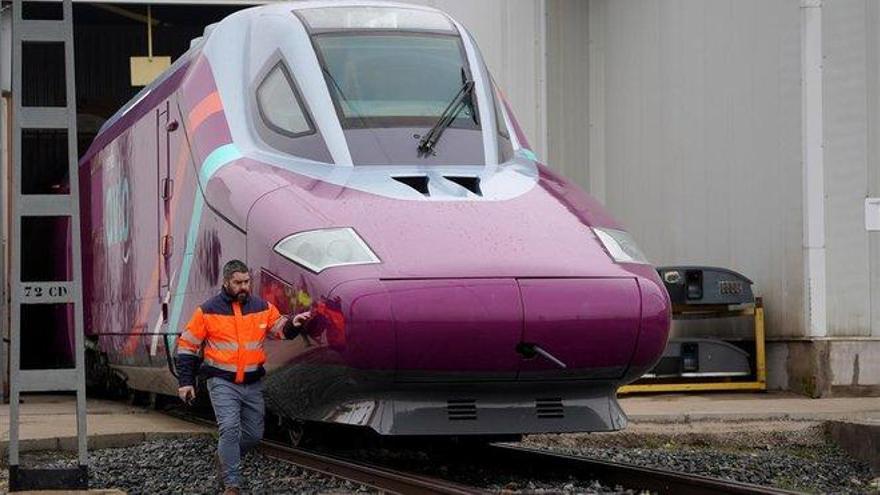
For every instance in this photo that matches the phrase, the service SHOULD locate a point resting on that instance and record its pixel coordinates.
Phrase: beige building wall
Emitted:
(569, 114)
(851, 41)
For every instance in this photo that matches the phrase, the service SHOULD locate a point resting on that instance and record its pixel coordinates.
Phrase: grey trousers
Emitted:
(239, 409)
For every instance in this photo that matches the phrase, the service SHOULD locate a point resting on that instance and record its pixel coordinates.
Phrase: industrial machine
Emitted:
(710, 362)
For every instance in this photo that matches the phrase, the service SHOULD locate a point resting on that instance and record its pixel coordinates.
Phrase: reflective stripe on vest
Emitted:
(222, 345)
(189, 337)
(233, 346)
(229, 367)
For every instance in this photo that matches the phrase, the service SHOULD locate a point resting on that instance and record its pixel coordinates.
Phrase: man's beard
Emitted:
(242, 296)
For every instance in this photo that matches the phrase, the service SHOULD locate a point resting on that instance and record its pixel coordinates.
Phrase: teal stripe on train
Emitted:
(215, 161)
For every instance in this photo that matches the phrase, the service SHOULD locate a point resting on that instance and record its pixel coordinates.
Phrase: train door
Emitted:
(124, 188)
(166, 125)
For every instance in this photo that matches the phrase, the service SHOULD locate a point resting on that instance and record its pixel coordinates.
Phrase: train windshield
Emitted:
(394, 79)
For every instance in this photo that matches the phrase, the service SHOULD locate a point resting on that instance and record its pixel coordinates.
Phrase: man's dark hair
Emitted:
(233, 266)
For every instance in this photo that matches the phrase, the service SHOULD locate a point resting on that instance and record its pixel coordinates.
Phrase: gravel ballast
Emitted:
(794, 457)
(466, 467)
(787, 455)
(791, 457)
(186, 466)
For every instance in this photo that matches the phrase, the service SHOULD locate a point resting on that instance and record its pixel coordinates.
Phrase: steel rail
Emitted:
(381, 478)
(626, 475)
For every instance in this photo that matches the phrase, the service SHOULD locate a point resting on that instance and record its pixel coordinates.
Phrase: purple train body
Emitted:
(459, 289)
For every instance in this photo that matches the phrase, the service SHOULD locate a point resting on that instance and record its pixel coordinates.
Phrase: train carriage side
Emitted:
(145, 224)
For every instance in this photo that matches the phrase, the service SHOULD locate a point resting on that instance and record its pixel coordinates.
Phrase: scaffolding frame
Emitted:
(25, 31)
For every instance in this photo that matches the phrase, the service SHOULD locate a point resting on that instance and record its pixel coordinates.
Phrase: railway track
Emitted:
(508, 459)
(379, 477)
(626, 475)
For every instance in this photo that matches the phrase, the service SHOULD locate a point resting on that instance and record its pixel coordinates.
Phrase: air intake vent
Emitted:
(417, 182)
(472, 184)
(549, 408)
(461, 409)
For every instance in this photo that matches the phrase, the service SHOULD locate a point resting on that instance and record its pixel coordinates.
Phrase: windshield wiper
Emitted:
(461, 100)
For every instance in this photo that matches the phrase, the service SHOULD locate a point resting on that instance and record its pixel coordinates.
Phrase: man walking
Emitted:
(232, 327)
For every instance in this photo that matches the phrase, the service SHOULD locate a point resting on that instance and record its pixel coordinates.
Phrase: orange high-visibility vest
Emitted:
(232, 333)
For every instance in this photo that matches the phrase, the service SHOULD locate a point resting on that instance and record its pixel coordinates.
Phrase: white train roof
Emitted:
(241, 47)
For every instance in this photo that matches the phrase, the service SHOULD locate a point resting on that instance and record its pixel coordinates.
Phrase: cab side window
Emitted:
(280, 104)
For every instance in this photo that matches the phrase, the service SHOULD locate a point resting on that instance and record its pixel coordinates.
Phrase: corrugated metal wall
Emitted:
(873, 104)
(702, 137)
(850, 64)
(568, 89)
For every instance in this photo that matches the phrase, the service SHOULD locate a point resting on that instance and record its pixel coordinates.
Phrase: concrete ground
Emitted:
(685, 408)
(48, 422)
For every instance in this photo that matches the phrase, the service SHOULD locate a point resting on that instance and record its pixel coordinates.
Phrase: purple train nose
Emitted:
(589, 325)
(489, 329)
(448, 329)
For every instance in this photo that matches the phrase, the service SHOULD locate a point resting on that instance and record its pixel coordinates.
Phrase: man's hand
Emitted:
(187, 394)
(300, 319)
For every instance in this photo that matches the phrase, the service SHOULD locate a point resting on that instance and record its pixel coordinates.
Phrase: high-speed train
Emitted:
(359, 157)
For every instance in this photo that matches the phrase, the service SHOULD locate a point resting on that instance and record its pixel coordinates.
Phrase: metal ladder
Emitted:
(26, 206)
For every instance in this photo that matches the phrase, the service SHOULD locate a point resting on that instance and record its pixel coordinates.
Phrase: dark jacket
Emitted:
(224, 339)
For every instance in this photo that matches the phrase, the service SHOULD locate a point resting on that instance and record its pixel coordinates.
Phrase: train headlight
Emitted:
(620, 245)
(318, 250)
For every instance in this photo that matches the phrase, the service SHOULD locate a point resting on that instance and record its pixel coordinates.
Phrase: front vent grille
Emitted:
(549, 408)
(461, 409)
(417, 182)
(472, 184)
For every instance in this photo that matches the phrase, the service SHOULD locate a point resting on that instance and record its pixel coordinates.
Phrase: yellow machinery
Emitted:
(709, 294)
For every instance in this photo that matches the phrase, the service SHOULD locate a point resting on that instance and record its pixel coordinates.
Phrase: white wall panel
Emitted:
(702, 138)
(568, 89)
(846, 166)
(873, 105)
